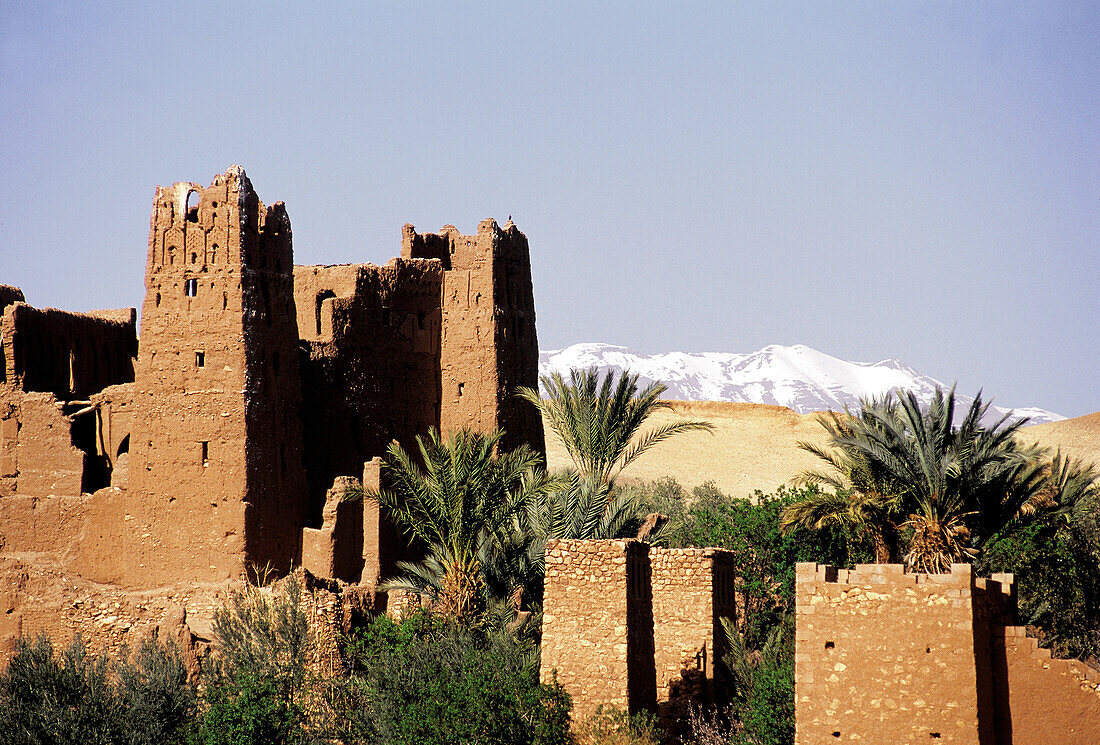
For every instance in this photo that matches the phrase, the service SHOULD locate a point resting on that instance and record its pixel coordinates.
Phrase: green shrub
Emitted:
(1058, 583)
(64, 699)
(157, 701)
(243, 709)
(260, 689)
(613, 726)
(78, 697)
(424, 681)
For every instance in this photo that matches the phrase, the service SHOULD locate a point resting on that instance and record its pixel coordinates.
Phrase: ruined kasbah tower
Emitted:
(135, 472)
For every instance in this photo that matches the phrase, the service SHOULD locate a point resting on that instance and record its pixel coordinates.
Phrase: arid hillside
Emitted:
(754, 446)
(1078, 437)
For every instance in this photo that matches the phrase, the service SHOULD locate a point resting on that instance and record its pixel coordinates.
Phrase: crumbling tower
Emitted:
(217, 482)
(488, 345)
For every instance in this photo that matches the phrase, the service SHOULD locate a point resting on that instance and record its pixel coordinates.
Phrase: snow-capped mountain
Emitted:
(798, 377)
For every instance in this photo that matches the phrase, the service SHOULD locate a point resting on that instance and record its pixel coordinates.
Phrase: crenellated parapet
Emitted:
(887, 656)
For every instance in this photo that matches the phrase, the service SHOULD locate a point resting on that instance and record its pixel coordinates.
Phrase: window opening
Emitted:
(193, 198)
(158, 300)
(322, 296)
(194, 257)
(200, 359)
(829, 645)
(205, 452)
(191, 287)
(461, 386)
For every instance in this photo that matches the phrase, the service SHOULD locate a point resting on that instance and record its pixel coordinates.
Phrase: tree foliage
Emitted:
(924, 489)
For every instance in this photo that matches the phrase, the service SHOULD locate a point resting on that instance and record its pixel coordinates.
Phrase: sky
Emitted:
(910, 180)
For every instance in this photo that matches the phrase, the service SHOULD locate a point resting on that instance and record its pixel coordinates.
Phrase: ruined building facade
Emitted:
(213, 444)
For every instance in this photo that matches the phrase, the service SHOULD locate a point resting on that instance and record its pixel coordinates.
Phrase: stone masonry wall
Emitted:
(597, 626)
(883, 656)
(693, 588)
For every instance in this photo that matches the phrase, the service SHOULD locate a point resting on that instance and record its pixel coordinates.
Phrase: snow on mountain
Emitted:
(798, 377)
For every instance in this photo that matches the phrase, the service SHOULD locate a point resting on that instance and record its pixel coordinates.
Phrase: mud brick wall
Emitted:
(373, 372)
(884, 656)
(693, 588)
(597, 626)
(216, 478)
(489, 344)
(1043, 700)
(70, 355)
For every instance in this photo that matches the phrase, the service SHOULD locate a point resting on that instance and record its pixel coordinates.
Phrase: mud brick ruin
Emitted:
(882, 656)
(633, 626)
(136, 478)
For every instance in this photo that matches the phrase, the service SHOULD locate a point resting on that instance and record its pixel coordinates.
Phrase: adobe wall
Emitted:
(693, 589)
(1046, 700)
(68, 354)
(216, 477)
(489, 344)
(597, 624)
(372, 373)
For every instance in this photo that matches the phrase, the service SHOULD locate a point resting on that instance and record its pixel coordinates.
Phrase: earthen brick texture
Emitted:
(210, 450)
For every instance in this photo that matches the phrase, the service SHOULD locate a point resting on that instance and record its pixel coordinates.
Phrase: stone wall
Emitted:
(884, 656)
(633, 626)
(693, 589)
(597, 624)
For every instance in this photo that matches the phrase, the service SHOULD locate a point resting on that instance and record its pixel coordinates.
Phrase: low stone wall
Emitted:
(597, 624)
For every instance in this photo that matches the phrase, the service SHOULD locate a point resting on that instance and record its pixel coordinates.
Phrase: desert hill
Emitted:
(754, 446)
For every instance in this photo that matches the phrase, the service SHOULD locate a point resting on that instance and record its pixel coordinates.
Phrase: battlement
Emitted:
(886, 656)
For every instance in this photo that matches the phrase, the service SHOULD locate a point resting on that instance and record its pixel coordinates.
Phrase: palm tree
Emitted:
(863, 497)
(468, 504)
(906, 470)
(600, 422)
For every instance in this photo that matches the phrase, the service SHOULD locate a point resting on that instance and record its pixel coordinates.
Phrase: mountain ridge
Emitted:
(798, 377)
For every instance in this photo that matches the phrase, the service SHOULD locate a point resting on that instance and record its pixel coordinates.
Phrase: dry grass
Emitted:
(754, 446)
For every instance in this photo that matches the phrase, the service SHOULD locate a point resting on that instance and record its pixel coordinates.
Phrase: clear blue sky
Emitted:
(918, 180)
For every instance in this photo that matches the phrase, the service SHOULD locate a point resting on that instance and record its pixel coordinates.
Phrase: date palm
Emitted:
(468, 504)
(910, 471)
(601, 422)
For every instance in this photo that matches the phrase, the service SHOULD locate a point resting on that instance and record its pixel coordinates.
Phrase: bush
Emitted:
(613, 726)
(78, 697)
(261, 690)
(244, 709)
(1058, 583)
(425, 680)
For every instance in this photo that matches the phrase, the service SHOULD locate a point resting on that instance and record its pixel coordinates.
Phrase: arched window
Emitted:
(192, 209)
